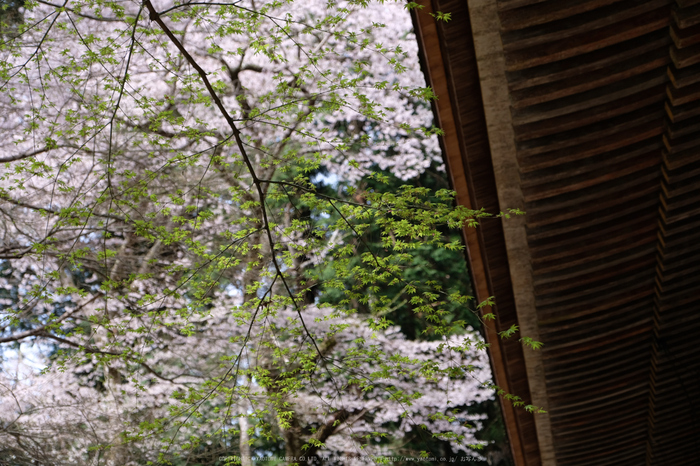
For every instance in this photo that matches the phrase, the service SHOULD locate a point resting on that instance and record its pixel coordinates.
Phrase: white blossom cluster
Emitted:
(132, 230)
(84, 404)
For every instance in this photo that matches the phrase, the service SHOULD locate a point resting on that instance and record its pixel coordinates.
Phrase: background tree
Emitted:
(447, 268)
(160, 228)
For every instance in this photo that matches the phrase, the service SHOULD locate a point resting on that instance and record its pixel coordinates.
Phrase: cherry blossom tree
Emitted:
(163, 229)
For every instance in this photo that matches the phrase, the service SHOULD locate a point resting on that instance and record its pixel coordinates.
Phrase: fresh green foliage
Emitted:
(192, 291)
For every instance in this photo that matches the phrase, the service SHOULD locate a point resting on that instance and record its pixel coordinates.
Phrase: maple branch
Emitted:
(42, 331)
(155, 16)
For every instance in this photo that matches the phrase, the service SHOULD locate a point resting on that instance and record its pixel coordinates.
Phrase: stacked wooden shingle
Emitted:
(585, 114)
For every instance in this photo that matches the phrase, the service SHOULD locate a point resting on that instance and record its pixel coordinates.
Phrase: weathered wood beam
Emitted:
(491, 62)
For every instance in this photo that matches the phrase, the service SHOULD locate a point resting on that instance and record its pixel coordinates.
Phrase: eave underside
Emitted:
(605, 126)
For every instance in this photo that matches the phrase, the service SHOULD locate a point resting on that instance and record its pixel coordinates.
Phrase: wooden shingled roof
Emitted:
(586, 115)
